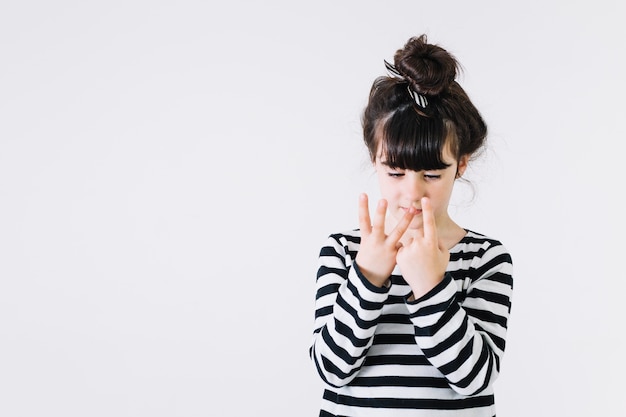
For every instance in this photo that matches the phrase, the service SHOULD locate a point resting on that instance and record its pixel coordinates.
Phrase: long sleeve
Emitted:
(380, 353)
(347, 309)
(462, 333)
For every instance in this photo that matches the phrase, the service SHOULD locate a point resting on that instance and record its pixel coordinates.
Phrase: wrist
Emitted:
(421, 287)
(376, 279)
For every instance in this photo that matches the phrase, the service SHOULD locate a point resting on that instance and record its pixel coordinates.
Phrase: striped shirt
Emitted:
(380, 354)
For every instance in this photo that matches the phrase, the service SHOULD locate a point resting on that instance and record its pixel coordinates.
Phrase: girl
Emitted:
(411, 309)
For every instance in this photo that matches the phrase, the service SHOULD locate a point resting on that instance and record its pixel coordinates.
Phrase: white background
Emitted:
(170, 169)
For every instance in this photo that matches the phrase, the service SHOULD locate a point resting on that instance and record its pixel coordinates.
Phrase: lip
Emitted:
(417, 211)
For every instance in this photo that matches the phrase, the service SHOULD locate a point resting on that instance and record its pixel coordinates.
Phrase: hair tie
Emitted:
(419, 99)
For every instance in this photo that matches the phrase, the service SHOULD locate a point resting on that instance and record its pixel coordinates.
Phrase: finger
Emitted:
(379, 216)
(398, 231)
(428, 218)
(365, 223)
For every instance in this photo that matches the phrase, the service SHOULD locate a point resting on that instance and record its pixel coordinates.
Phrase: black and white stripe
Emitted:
(435, 356)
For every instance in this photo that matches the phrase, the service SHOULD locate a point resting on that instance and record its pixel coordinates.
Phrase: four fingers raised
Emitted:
(365, 222)
(378, 225)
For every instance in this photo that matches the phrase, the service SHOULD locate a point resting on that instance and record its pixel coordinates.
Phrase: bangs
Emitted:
(413, 142)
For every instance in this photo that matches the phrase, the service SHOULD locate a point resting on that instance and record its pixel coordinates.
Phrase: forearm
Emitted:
(465, 341)
(345, 323)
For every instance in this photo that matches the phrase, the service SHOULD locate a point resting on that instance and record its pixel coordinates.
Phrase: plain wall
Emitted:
(169, 171)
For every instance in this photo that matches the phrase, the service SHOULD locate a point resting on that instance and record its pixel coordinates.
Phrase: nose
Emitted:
(414, 187)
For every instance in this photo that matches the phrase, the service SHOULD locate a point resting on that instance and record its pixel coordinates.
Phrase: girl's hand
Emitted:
(423, 261)
(377, 254)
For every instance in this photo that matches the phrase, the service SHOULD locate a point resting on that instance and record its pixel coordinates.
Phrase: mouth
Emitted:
(417, 211)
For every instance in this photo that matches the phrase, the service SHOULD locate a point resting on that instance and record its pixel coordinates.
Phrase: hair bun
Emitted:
(428, 68)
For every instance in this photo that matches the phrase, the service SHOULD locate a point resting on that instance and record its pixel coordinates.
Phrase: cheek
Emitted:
(388, 191)
(384, 184)
(442, 198)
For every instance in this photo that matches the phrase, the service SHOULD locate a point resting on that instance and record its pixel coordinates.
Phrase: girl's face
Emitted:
(403, 188)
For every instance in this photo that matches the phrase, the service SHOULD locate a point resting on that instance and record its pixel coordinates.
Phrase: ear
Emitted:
(462, 165)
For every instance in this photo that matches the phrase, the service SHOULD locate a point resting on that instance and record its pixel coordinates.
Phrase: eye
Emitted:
(395, 174)
(431, 176)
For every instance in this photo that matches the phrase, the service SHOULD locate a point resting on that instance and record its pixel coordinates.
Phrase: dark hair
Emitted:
(414, 136)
